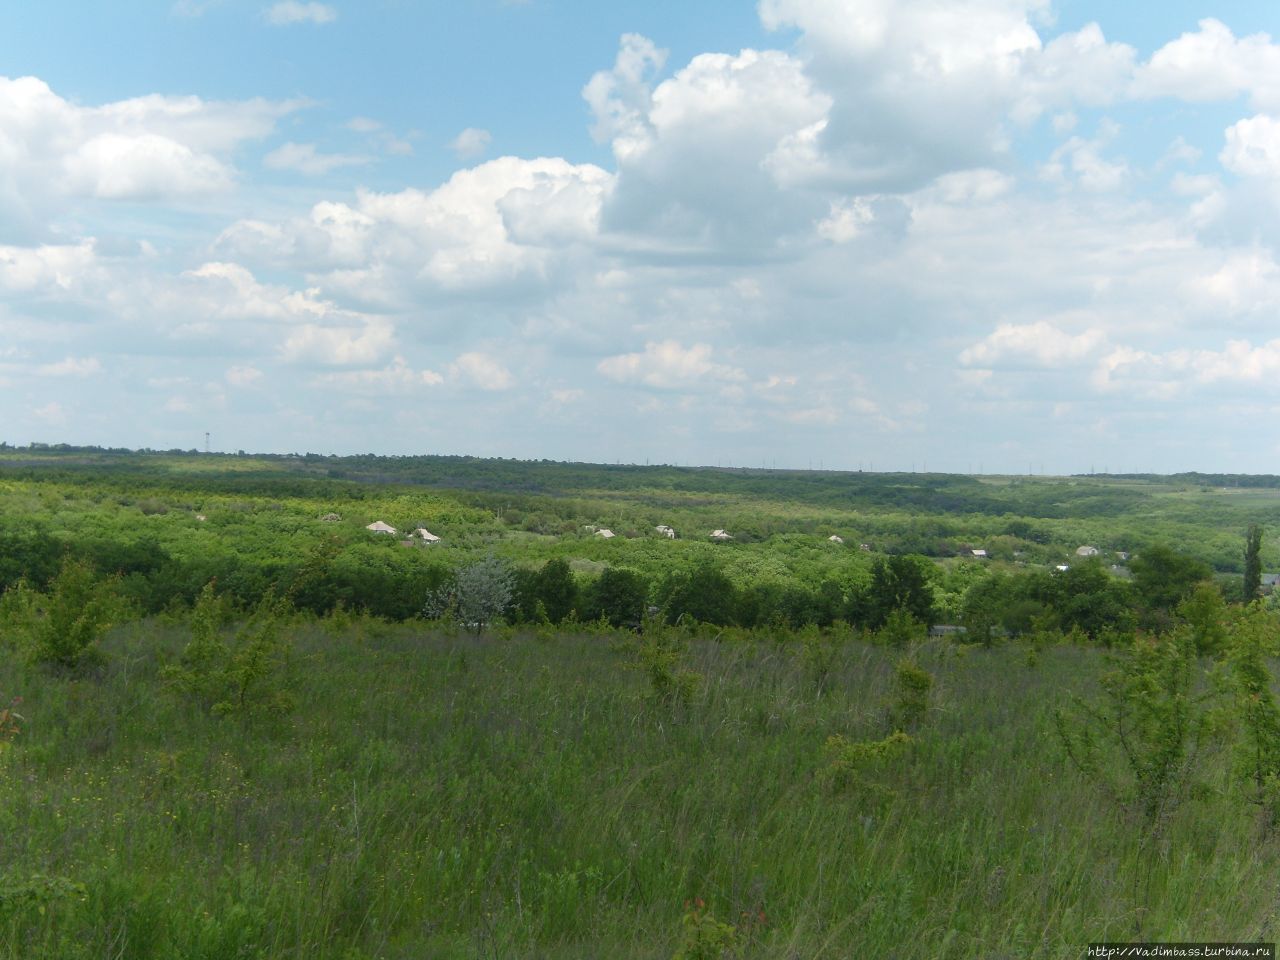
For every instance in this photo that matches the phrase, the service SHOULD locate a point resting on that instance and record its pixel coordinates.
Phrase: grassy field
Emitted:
(530, 794)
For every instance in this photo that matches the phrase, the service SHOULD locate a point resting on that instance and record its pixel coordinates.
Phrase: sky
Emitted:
(973, 236)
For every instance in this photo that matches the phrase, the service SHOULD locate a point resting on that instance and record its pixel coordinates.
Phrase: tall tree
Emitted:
(1252, 563)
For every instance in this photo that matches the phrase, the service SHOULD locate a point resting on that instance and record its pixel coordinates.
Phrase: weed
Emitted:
(850, 762)
(703, 936)
(240, 676)
(661, 657)
(913, 687)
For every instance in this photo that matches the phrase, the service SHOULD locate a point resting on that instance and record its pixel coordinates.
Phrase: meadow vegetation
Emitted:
(266, 734)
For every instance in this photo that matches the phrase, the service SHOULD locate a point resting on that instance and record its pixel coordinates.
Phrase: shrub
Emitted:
(240, 676)
(851, 762)
(480, 593)
(1149, 719)
(913, 686)
(1258, 748)
(62, 627)
(660, 656)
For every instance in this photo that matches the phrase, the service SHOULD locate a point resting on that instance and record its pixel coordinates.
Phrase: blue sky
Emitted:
(969, 235)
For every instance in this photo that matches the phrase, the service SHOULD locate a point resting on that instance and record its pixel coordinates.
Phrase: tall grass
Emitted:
(522, 795)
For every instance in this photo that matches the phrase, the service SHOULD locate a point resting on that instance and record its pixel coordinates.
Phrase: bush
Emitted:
(63, 627)
(480, 593)
(240, 676)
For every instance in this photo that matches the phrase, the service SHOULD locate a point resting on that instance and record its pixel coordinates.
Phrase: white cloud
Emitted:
(921, 88)
(668, 365)
(1253, 147)
(1248, 281)
(193, 8)
(53, 151)
(291, 11)
(703, 157)
(470, 143)
(396, 377)
(1039, 344)
(1213, 64)
(53, 413)
(305, 158)
(1083, 160)
(243, 376)
(113, 166)
(71, 367)
(47, 267)
(231, 291)
(485, 228)
(1165, 374)
(339, 346)
(482, 370)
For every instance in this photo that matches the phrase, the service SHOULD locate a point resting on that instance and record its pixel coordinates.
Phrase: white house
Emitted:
(666, 531)
(606, 533)
(1086, 551)
(979, 554)
(379, 527)
(422, 533)
(835, 538)
(721, 535)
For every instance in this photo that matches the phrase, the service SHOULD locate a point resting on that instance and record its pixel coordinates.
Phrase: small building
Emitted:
(425, 535)
(1062, 568)
(864, 547)
(668, 532)
(979, 554)
(201, 517)
(1086, 551)
(606, 533)
(1268, 583)
(835, 538)
(721, 535)
(379, 527)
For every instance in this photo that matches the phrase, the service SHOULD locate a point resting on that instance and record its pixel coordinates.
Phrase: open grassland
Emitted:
(535, 795)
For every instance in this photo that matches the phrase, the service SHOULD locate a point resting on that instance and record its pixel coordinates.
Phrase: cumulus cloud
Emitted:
(1212, 63)
(291, 11)
(149, 148)
(397, 377)
(1038, 344)
(482, 370)
(484, 229)
(470, 143)
(305, 158)
(702, 155)
(668, 365)
(48, 267)
(339, 346)
(243, 376)
(1164, 374)
(921, 88)
(1253, 147)
(70, 367)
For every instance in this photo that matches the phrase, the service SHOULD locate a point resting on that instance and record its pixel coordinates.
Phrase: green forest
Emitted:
(911, 715)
